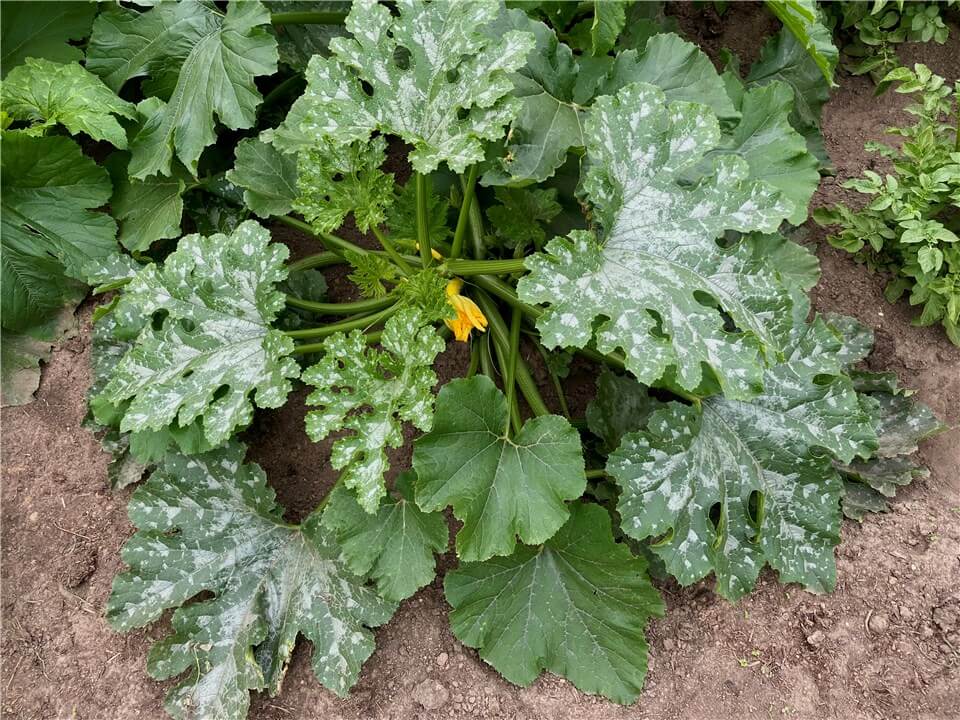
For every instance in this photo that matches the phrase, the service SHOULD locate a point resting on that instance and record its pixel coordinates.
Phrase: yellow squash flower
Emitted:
(468, 314)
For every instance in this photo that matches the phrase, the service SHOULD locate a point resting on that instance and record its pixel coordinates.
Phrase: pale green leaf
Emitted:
(42, 30)
(215, 352)
(576, 606)
(336, 180)
(202, 62)
(395, 546)
(500, 486)
(731, 485)
(609, 17)
(447, 96)
(267, 176)
(148, 210)
(211, 524)
(659, 269)
(802, 19)
(370, 393)
(50, 93)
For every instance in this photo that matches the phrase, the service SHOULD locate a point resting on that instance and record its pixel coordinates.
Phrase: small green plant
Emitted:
(909, 228)
(872, 30)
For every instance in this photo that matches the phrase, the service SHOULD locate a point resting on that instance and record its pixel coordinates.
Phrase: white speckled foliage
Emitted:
(657, 279)
(438, 82)
(370, 393)
(211, 524)
(730, 485)
(214, 353)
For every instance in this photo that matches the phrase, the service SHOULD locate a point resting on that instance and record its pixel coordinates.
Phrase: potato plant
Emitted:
(580, 183)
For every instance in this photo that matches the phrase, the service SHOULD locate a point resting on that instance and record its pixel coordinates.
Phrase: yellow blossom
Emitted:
(468, 314)
(433, 252)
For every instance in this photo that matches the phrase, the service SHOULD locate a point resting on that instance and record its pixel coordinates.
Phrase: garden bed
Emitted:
(885, 644)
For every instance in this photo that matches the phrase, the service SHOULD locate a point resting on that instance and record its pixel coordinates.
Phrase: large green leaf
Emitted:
(215, 347)
(395, 546)
(51, 93)
(501, 487)
(659, 278)
(776, 153)
(784, 58)
(50, 235)
(556, 87)
(267, 176)
(730, 485)
(371, 393)
(445, 98)
(211, 524)
(609, 17)
(801, 18)
(42, 30)
(201, 61)
(576, 606)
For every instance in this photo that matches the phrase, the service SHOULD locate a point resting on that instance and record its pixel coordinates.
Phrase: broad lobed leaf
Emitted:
(659, 277)
(211, 524)
(214, 352)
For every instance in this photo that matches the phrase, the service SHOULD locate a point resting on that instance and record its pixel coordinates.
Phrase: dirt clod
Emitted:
(878, 623)
(431, 694)
(816, 638)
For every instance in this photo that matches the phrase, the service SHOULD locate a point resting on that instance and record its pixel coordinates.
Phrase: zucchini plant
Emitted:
(562, 187)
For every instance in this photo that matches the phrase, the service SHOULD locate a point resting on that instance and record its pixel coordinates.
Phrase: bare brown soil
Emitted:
(885, 645)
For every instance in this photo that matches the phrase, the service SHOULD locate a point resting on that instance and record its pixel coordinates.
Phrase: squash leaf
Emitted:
(214, 346)
(500, 487)
(659, 279)
(210, 523)
(370, 393)
(576, 606)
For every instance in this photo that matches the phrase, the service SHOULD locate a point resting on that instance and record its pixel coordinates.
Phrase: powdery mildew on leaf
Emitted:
(271, 581)
(775, 447)
(371, 393)
(335, 180)
(414, 97)
(659, 269)
(500, 487)
(576, 606)
(396, 545)
(215, 347)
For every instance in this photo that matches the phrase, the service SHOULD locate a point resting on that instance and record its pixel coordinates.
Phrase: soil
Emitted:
(885, 645)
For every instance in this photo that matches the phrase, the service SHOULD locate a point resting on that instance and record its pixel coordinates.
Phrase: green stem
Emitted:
(510, 371)
(486, 360)
(466, 268)
(308, 18)
(463, 220)
(345, 326)
(308, 348)
(348, 308)
(474, 358)
(323, 259)
(498, 331)
(392, 251)
(597, 474)
(332, 242)
(280, 90)
(423, 218)
(476, 227)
